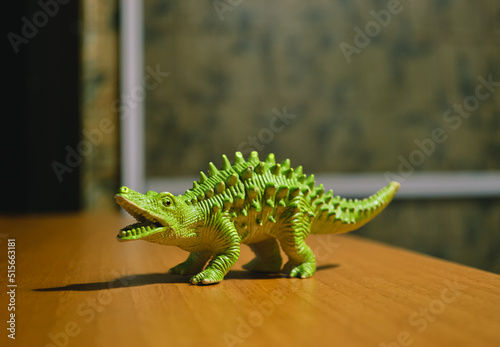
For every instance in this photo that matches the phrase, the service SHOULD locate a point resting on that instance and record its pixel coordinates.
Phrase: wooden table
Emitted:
(78, 286)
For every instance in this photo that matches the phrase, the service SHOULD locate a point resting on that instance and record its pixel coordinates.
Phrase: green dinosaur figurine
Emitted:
(254, 202)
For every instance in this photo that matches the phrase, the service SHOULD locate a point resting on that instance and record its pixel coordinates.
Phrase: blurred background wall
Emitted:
(356, 109)
(336, 86)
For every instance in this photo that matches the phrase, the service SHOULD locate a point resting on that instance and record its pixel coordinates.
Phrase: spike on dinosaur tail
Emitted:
(335, 215)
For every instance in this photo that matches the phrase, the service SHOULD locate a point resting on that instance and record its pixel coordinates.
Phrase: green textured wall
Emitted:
(231, 69)
(298, 79)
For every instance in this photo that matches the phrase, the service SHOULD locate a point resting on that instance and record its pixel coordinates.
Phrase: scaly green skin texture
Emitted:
(260, 203)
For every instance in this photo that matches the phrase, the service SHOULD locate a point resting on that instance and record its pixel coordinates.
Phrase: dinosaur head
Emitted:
(159, 215)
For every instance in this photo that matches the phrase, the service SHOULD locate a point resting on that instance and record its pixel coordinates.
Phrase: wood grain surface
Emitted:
(78, 286)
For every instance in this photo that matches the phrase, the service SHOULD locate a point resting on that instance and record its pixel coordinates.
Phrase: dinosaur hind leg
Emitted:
(301, 261)
(268, 257)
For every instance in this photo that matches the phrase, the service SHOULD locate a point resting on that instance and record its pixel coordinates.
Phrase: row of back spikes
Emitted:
(259, 168)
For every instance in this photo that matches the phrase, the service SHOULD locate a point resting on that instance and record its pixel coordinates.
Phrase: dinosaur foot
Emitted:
(304, 270)
(208, 276)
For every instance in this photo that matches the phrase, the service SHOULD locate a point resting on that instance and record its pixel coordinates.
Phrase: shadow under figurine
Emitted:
(254, 202)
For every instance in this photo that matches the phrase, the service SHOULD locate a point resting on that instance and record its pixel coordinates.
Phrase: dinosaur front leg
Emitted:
(226, 244)
(194, 264)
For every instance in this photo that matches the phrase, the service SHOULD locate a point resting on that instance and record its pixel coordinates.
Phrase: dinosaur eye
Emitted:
(167, 202)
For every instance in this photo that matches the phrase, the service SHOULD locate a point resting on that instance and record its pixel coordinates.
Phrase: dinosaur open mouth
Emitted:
(138, 230)
(146, 224)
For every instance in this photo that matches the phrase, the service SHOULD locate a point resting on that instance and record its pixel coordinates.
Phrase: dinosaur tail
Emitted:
(335, 215)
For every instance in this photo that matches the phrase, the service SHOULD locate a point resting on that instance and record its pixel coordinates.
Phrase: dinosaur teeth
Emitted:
(138, 229)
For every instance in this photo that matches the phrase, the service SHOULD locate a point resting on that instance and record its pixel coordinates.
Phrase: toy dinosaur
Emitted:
(254, 202)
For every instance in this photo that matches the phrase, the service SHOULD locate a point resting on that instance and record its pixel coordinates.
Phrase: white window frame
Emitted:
(132, 77)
